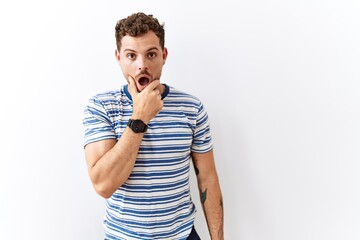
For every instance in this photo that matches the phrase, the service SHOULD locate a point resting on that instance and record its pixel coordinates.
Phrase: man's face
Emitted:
(141, 58)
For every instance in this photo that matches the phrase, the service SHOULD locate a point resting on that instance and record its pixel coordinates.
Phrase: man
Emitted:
(140, 139)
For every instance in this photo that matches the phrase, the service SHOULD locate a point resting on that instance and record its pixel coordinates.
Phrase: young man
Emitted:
(140, 139)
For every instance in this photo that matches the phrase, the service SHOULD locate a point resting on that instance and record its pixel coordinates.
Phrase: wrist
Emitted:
(137, 125)
(141, 117)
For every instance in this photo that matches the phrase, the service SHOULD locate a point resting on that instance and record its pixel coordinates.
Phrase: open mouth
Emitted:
(143, 81)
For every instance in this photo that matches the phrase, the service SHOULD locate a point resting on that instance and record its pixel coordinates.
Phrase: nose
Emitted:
(142, 64)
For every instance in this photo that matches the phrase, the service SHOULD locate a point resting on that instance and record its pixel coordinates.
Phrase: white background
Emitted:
(280, 81)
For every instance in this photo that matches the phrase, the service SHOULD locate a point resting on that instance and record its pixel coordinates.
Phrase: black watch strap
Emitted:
(137, 125)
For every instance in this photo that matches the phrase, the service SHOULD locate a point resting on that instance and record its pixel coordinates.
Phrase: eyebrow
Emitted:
(150, 49)
(153, 48)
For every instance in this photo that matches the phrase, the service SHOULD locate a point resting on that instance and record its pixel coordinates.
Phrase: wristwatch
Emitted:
(137, 125)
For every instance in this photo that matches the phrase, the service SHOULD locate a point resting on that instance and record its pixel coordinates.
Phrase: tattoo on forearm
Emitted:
(203, 196)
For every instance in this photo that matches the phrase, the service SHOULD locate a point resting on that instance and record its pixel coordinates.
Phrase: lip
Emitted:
(139, 82)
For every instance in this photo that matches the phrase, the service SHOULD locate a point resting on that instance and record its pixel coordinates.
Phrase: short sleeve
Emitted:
(97, 125)
(202, 141)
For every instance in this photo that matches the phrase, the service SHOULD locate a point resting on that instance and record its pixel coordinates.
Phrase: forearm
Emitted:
(212, 203)
(110, 163)
(210, 193)
(115, 166)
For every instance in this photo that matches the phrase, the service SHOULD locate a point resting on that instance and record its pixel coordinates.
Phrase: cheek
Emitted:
(159, 67)
(127, 68)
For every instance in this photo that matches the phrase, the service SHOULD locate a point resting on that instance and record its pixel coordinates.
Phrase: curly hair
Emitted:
(138, 24)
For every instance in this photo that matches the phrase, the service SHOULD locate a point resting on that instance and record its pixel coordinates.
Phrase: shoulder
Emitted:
(104, 102)
(106, 99)
(106, 96)
(184, 97)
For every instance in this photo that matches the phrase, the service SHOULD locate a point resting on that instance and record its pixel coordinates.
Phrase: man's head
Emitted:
(140, 48)
(138, 24)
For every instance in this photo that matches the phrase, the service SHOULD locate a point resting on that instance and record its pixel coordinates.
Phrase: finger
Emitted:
(132, 86)
(154, 84)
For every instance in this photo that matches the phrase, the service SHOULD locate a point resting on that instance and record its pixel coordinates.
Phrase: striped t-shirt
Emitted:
(155, 201)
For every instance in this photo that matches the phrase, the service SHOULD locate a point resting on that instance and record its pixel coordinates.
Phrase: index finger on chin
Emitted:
(154, 84)
(132, 86)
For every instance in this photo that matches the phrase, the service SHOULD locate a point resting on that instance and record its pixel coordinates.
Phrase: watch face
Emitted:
(138, 126)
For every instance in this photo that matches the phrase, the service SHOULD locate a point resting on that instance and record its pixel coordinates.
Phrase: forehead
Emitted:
(140, 43)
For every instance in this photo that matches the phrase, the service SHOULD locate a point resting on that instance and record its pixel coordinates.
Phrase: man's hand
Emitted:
(147, 103)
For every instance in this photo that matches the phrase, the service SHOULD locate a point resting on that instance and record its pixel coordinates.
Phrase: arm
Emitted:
(210, 193)
(109, 162)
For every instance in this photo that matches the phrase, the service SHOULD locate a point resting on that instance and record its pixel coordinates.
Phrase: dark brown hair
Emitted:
(138, 24)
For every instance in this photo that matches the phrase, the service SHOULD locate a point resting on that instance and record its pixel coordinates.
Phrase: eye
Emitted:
(151, 55)
(130, 56)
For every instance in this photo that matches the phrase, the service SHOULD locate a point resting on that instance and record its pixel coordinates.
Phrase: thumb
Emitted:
(132, 86)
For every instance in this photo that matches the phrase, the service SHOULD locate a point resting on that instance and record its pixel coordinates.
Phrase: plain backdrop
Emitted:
(280, 80)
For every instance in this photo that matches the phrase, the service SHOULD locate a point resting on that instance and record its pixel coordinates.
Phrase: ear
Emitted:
(117, 55)
(165, 54)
